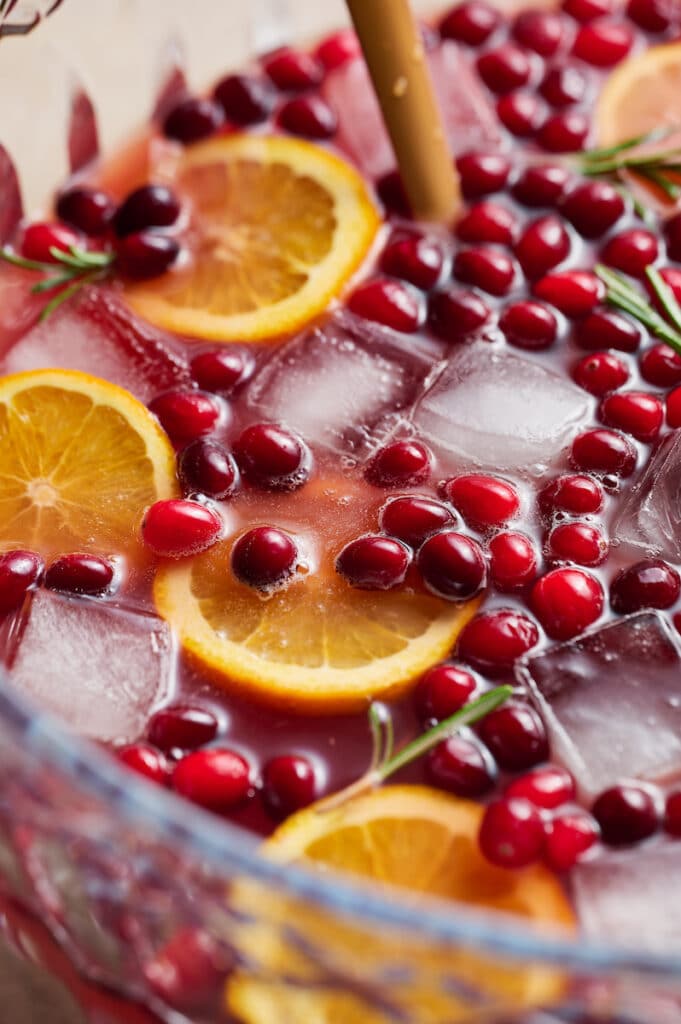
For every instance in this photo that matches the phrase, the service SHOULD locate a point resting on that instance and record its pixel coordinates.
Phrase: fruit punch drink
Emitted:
(356, 534)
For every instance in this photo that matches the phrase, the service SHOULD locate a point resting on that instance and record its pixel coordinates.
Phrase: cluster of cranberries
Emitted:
(75, 573)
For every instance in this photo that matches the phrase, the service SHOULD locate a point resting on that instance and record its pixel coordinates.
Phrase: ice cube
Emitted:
(99, 335)
(496, 410)
(19, 309)
(650, 518)
(99, 668)
(611, 700)
(338, 384)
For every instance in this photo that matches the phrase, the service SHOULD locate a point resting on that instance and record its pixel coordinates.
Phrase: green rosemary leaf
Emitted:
(52, 282)
(665, 295)
(66, 294)
(20, 261)
(626, 297)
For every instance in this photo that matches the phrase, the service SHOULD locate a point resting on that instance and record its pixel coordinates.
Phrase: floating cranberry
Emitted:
(513, 561)
(488, 222)
(482, 173)
(289, 784)
(245, 100)
(603, 43)
(674, 408)
(146, 254)
(264, 557)
(38, 239)
(452, 565)
(587, 10)
(566, 601)
(413, 257)
(547, 787)
(650, 583)
(604, 451)
(79, 573)
(606, 329)
(651, 15)
(564, 133)
(309, 116)
(176, 528)
(543, 245)
(483, 501)
(490, 270)
(471, 22)
(215, 778)
(412, 519)
(672, 232)
(626, 814)
(456, 313)
(574, 292)
(541, 31)
(516, 736)
(206, 467)
(569, 837)
(185, 415)
(374, 562)
(661, 366)
(193, 119)
(188, 972)
(150, 206)
(271, 457)
(600, 373)
(338, 49)
(631, 251)
(672, 814)
(88, 209)
(634, 412)
(577, 495)
(388, 302)
(146, 760)
(492, 641)
(520, 112)
(293, 70)
(577, 542)
(460, 766)
(391, 192)
(504, 68)
(182, 727)
(400, 464)
(443, 690)
(593, 208)
(563, 85)
(512, 833)
(20, 571)
(529, 325)
(221, 369)
(541, 185)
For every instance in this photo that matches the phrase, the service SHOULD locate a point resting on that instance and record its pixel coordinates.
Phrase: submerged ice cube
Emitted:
(99, 668)
(611, 701)
(649, 521)
(495, 410)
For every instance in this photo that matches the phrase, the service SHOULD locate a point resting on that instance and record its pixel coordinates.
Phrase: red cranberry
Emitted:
(543, 245)
(374, 563)
(603, 451)
(289, 784)
(579, 543)
(443, 690)
(461, 767)
(672, 232)
(541, 185)
(38, 239)
(221, 369)
(603, 43)
(634, 412)
(513, 561)
(178, 528)
(593, 208)
(577, 495)
(564, 133)
(20, 571)
(650, 583)
(520, 112)
(482, 173)
(308, 116)
(600, 373)
(490, 270)
(414, 258)
(549, 787)
(400, 464)
(245, 100)
(529, 325)
(151, 206)
(587, 10)
(216, 778)
(563, 85)
(672, 814)
(626, 814)
(264, 557)
(452, 565)
(338, 49)
(651, 15)
(391, 192)
(390, 303)
(182, 727)
(541, 31)
(512, 833)
(516, 736)
(471, 22)
(411, 519)
(293, 70)
(80, 574)
(207, 467)
(483, 501)
(492, 641)
(146, 760)
(456, 313)
(674, 408)
(566, 601)
(188, 972)
(488, 222)
(186, 414)
(661, 366)
(504, 68)
(87, 209)
(631, 251)
(146, 254)
(606, 329)
(569, 836)
(574, 292)
(193, 119)
(271, 457)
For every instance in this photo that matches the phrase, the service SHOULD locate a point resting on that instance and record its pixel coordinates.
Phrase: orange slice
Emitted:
(642, 94)
(418, 839)
(278, 225)
(80, 460)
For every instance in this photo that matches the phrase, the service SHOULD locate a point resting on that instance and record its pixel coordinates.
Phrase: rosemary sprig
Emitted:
(622, 294)
(69, 272)
(660, 167)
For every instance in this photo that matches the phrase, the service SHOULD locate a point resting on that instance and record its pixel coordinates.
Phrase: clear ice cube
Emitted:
(611, 701)
(99, 668)
(649, 522)
(492, 409)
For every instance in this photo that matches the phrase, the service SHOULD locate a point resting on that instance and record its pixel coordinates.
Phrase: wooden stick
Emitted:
(392, 45)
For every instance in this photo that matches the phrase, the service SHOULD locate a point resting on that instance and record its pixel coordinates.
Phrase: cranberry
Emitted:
(631, 251)
(443, 690)
(634, 412)
(544, 244)
(541, 31)
(80, 574)
(186, 414)
(566, 601)
(541, 185)
(456, 313)
(603, 43)
(38, 239)
(390, 303)
(461, 767)
(606, 329)
(146, 254)
(574, 292)
(651, 15)
(20, 571)
(392, 194)
(490, 270)
(513, 561)
(512, 833)
(193, 119)
(579, 543)
(593, 208)
(603, 451)
(672, 232)
(413, 257)
(672, 814)
(488, 222)
(412, 519)
(569, 836)
(563, 85)
(516, 736)
(577, 495)
(289, 784)
(245, 100)
(626, 814)
(146, 760)
(650, 583)
(182, 727)
(338, 49)
(529, 325)
(520, 112)
(293, 70)
(564, 133)
(674, 408)
(504, 68)
(492, 641)
(471, 22)
(221, 369)
(374, 563)
(264, 557)
(177, 528)
(207, 467)
(87, 209)
(271, 457)
(548, 787)
(452, 565)
(587, 10)
(600, 373)
(309, 116)
(216, 778)
(483, 501)
(400, 464)
(151, 206)
(661, 366)
(482, 173)
(188, 972)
